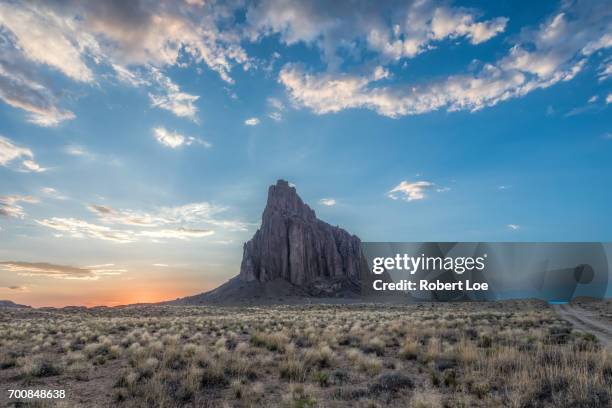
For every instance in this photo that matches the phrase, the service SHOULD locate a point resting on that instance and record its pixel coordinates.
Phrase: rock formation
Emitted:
(294, 245)
(293, 258)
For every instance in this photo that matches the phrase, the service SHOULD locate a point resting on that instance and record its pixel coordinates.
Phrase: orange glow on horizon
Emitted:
(110, 298)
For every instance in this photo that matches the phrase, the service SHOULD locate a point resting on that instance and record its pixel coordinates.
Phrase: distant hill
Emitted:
(8, 303)
(293, 258)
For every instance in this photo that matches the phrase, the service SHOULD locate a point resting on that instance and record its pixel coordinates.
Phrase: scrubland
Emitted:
(516, 354)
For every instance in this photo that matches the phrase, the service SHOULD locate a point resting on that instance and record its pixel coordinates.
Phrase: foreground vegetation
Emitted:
(517, 354)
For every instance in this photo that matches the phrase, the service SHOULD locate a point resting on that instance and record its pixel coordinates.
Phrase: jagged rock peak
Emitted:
(293, 245)
(283, 198)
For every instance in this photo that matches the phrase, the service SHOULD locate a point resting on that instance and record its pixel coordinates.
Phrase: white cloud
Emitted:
(251, 122)
(53, 193)
(410, 191)
(329, 202)
(174, 139)
(10, 152)
(168, 138)
(74, 150)
(277, 107)
(276, 104)
(276, 116)
(129, 77)
(74, 38)
(593, 99)
(605, 70)
(64, 36)
(48, 270)
(76, 228)
(9, 205)
(20, 90)
(193, 213)
(555, 52)
(609, 98)
(190, 221)
(31, 165)
(178, 233)
(171, 98)
(46, 38)
(513, 227)
(391, 30)
(161, 265)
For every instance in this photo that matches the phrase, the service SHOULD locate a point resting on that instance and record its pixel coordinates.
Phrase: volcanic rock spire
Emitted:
(294, 245)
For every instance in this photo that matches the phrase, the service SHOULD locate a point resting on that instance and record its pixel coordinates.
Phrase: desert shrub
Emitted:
(426, 399)
(320, 357)
(300, 397)
(409, 349)
(322, 378)
(42, 366)
(213, 376)
(271, 341)
(292, 369)
(374, 345)
(7, 360)
(390, 382)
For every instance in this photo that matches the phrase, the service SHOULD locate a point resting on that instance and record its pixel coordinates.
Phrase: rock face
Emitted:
(294, 245)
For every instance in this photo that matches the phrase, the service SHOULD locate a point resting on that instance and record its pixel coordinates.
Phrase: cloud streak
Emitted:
(49, 270)
(9, 205)
(190, 221)
(328, 202)
(410, 191)
(10, 152)
(175, 140)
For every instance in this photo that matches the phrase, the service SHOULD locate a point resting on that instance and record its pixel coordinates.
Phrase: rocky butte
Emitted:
(294, 245)
(293, 255)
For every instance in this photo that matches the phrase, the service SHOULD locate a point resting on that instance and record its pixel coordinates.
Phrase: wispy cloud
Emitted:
(277, 107)
(9, 205)
(53, 193)
(175, 140)
(513, 227)
(190, 221)
(276, 116)
(178, 233)
(76, 228)
(49, 270)
(10, 152)
(251, 122)
(201, 212)
(15, 288)
(329, 202)
(171, 98)
(75, 150)
(410, 191)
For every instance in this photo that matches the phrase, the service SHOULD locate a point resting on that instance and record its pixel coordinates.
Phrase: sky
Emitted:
(138, 139)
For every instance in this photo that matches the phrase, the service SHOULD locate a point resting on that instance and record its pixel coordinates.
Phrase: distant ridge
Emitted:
(292, 258)
(8, 303)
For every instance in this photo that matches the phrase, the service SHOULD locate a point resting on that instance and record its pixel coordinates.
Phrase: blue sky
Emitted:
(138, 140)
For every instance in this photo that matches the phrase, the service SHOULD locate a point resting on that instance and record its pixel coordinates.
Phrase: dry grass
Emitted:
(516, 354)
